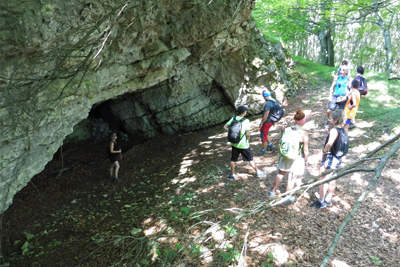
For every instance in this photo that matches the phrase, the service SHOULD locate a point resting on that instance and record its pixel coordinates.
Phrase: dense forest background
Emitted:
(365, 32)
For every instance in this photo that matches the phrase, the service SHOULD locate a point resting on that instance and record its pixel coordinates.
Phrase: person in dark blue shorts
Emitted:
(329, 159)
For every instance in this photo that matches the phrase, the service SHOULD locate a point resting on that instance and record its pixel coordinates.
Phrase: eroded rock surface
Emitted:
(163, 66)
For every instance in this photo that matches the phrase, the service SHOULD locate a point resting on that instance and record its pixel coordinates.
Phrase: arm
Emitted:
(112, 148)
(226, 127)
(332, 137)
(305, 147)
(331, 88)
(264, 118)
(354, 98)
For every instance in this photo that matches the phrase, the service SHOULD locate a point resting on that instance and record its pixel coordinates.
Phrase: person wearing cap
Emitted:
(266, 122)
(295, 167)
(243, 147)
(338, 94)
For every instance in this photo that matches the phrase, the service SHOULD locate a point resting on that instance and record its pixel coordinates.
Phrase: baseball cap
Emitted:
(242, 109)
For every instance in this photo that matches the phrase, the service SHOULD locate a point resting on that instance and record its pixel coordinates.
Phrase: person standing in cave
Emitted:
(113, 156)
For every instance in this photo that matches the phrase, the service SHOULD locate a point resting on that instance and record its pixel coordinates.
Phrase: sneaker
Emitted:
(328, 203)
(271, 193)
(318, 205)
(261, 173)
(231, 177)
(270, 147)
(262, 152)
(352, 125)
(116, 180)
(290, 199)
(111, 177)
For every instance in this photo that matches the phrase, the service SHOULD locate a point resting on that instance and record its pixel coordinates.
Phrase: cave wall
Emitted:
(164, 65)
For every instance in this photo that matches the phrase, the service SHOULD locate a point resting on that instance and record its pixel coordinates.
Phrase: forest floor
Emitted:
(82, 218)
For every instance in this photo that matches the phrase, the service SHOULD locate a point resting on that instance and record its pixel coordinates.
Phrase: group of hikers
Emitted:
(344, 100)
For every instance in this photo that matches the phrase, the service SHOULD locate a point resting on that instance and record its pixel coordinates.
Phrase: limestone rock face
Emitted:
(163, 66)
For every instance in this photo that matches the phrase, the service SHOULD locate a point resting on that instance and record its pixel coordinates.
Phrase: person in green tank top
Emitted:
(243, 147)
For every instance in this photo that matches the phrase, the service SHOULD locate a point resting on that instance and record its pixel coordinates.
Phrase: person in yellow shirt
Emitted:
(352, 104)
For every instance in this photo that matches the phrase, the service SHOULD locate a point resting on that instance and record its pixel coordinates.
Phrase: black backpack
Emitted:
(341, 145)
(276, 113)
(234, 131)
(362, 88)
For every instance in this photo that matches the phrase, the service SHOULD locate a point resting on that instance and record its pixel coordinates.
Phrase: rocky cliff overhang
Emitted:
(164, 65)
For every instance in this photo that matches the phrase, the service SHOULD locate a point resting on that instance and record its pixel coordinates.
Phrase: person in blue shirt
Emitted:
(339, 93)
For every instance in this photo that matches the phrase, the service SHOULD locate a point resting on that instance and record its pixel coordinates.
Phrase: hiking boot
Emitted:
(352, 125)
(261, 173)
(271, 193)
(270, 147)
(231, 177)
(318, 205)
(262, 152)
(290, 199)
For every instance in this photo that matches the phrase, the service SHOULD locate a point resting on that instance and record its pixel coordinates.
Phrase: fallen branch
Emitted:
(394, 78)
(361, 199)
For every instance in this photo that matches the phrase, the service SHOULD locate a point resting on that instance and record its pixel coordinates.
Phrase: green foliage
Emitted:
(230, 255)
(375, 260)
(270, 260)
(317, 73)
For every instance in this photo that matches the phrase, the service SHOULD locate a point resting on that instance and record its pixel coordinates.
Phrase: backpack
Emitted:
(341, 145)
(290, 144)
(276, 113)
(362, 88)
(234, 131)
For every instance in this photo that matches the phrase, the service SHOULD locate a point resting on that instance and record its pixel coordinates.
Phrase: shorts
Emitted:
(335, 104)
(348, 121)
(296, 166)
(264, 132)
(113, 157)
(330, 161)
(246, 154)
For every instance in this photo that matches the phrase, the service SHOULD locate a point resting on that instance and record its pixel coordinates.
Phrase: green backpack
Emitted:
(290, 144)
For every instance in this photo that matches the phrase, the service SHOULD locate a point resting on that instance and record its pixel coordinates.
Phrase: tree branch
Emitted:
(360, 200)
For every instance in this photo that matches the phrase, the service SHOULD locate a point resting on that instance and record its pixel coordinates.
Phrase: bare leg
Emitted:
(111, 169)
(321, 187)
(264, 145)
(116, 168)
(253, 165)
(331, 190)
(278, 180)
(233, 167)
(290, 182)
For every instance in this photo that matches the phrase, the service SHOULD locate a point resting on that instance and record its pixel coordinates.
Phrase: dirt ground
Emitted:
(80, 217)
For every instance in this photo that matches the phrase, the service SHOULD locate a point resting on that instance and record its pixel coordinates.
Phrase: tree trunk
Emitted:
(327, 52)
(331, 49)
(385, 27)
(323, 57)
